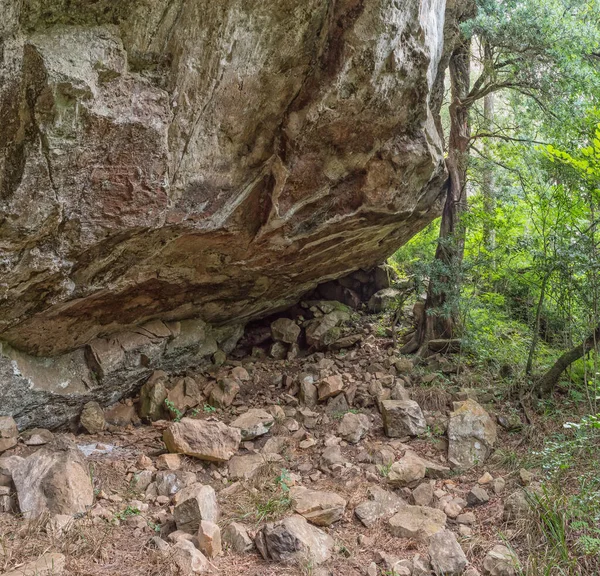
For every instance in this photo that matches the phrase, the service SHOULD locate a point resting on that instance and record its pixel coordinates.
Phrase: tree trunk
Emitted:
(441, 310)
(536, 326)
(487, 187)
(545, 385)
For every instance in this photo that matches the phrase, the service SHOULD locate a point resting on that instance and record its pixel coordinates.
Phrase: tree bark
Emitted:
(487, 187)
(546, 383)
(440, 317)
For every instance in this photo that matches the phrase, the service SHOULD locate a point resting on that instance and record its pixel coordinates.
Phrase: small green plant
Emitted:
(209, 409)
(384, 469)
(194, 412)
(128, 512)
(173, 410)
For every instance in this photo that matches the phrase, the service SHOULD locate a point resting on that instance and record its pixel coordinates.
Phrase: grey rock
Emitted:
(294, 539)
(447, 557)
(402, 418)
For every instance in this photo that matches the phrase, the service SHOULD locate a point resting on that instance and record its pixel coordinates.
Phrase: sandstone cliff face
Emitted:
(162, 160)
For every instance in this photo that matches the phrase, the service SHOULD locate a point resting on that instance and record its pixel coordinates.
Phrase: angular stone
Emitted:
(8, 433)
(418, 522)
(330, 387)
(318, 507)
(48, 564)
(37, 437)
(423, 494)
(224, 392)
(170, 482)
(471, 435)
(55, 480)
(308, 393)
(194, 504)
(323, 331)
(500, 561)
(8, 464)
(285, 330)
(203, 439)
(516, 507)
(294, 539)
(250, 465)
(209, 539)
(407, 471)
(383, 299)
(92, 418)
(236, 536)
(382, 504)
(354, 427)
(153, 395)
(278, 350)
(188, 558)
(402, 418)
(253, 423)
(477, 496)
(169, 462)
(121, 415)
(447, 557)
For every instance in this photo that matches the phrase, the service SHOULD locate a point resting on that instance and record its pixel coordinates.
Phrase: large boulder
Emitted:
(195, 503)
(471, 435)
(55, 480)
(203, 439)
(158, 165)
(285, 330)
(293, 539)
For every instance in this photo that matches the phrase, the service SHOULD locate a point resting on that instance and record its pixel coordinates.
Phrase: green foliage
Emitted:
(209, 409)
(176, 414)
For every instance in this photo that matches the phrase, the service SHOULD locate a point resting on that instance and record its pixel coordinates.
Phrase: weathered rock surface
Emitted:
(294, 539)
(419, 522)
(407, 471)
(353, 427)
(162, 161)
(195, 503)
(402, 418)
(55, 480)
(471, 435)
(381, 504)
(500, 561)
(213, 441)
(253, 423)
(8, 433)
(447, 557)
(49, 564)
(317, 506)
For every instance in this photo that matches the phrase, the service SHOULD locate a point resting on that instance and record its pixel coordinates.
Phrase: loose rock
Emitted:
(419, 522)
(8, 433)
(236, 536)
(402, 418)
(447, 557)
(195, 503)
(253, 423)
(354, 427)
(202, 439)
(54, 479)
(471, 435)
(500, 561)
(292, 539)
(318, 507)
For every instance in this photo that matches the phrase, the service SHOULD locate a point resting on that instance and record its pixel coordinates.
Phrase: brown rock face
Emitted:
(176, 159)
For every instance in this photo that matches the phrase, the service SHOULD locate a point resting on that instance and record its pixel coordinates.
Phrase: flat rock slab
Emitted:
(50, 564)
(318, 507)
(203, 439)
(382, 504)
(253, 423)
(418, 522)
